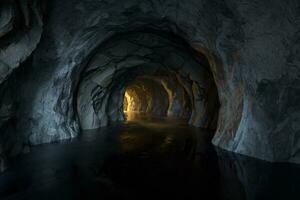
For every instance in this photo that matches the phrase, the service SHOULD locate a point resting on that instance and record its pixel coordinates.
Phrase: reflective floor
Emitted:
(143, 159)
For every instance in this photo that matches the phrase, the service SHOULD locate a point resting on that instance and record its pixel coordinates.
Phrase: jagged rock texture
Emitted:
(20, 32)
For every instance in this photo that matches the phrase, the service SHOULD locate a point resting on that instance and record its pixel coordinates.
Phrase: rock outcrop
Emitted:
(20, 31)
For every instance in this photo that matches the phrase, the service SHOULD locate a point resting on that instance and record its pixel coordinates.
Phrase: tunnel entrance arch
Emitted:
(124, 57)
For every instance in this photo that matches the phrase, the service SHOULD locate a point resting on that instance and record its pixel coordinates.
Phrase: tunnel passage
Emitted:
(145, 96)
(157, 96)
(146, 59)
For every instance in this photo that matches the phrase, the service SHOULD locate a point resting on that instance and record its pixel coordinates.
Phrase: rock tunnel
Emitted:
(154, 70)
(228, 67)
(157, 96)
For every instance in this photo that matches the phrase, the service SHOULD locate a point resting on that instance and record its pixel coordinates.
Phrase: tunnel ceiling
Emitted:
(250, 50)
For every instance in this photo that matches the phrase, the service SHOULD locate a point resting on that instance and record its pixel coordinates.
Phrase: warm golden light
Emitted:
(129, 102)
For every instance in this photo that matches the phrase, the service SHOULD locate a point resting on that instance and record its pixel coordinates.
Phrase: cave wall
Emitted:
(20, 32)
(180, 96)
(252, 48)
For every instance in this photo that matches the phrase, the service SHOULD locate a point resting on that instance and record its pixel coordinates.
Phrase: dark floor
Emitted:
(143, 159)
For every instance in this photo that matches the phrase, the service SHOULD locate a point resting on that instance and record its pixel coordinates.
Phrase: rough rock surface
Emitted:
(252, 49)
(20, 32)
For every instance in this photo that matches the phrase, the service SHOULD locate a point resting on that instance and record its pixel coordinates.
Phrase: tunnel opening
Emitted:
(178, 80)
(158, 96)
(145, 97)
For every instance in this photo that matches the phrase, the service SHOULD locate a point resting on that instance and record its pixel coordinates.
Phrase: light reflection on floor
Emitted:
(145, 159)
(152, 120)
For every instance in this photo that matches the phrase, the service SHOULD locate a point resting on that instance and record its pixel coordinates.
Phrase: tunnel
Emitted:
(156, 96)
(174, 99)
(159, 76)
(145, 96)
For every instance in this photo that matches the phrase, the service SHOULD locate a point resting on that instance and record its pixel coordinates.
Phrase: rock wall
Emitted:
(20, 31)
(251, 47)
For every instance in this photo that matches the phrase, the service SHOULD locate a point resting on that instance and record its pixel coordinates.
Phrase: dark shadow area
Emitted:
(144, 159)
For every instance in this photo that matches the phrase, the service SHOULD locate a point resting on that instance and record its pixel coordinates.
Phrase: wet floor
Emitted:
(143, 159)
